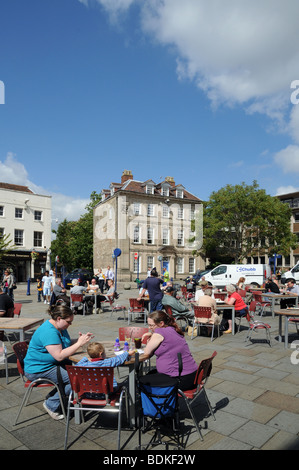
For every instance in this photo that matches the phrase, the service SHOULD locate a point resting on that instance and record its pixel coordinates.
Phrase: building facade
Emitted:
(153, 225)
(26, 218)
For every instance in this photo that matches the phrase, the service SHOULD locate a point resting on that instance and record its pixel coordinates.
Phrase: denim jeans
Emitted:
(156, 305)
(53, 402)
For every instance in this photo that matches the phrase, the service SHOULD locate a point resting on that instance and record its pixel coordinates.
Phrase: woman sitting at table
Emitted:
(166, 341)
(110, 293)
(233, 298)
(50, 348)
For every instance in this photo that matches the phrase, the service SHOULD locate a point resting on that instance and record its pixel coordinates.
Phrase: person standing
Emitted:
(7, 283)
(47, 287)
(101, 280)
(152, 284)
(109, 275)
(6, 308)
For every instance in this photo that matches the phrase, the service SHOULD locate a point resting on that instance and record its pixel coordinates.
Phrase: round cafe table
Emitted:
(287, 313)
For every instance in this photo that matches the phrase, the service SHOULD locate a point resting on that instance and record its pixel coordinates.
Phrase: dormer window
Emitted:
(180, 193)
(149, 189)
(165, 191)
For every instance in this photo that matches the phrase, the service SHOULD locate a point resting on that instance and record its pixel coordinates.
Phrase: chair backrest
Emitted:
(132, 332)
(20, 350)
(219, 295)
(134, 303)
(77, 297)
(98, 380)
(242, 292)
(204, 370)
(159, 395)
(257, 297)
(17, 309)
(252, 306)
(168, 310)
(202, 312)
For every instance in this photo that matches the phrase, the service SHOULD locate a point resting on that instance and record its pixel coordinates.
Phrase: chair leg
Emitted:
(209, 404)
(194, 419)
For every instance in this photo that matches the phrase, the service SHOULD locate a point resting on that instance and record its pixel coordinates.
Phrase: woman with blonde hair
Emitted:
(233, 298)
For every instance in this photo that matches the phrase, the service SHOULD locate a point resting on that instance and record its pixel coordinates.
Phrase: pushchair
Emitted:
(158, 409)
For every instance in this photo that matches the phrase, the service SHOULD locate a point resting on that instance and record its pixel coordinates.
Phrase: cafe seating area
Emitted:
(246, 375)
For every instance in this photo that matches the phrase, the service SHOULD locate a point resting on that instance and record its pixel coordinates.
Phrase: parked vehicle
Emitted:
(293, 273)
(83, 275)
(197, 276)
(224, 274)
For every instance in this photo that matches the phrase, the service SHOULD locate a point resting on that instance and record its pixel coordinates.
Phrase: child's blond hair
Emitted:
(95, 349)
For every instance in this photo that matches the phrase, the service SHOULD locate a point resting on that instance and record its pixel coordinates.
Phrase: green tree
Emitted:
(74, 239)
(5, 245)
(242, 221)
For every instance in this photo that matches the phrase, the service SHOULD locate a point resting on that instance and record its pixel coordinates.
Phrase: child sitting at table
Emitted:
(97, 358)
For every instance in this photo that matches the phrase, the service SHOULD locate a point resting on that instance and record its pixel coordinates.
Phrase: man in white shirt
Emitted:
(200, 292)
(47, 287)
(109, 275)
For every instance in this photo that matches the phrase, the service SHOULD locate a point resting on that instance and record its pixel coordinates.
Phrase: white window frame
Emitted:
(180, 239)
(38, 242)
(20, 236)
(180, 193)
(165, 211)
(180, 265)
(136, 234)
(18, 213)
(150, 235)
(165, 191)
(1, 211)
(38, 214)
(137, 208)
(165, 239)
(180, 213)
(191, 265)
(150, 261)
(150, 210)
(137, 264)
(149, 189)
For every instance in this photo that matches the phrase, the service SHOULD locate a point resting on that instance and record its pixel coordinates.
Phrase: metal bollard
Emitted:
(28, 287)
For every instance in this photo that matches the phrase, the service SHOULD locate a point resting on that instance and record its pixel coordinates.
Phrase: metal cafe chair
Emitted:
(189, 396)
(203, 312)
(255, 325)
(92, 390)
(20, 350)
(136, 308)
(3, 359)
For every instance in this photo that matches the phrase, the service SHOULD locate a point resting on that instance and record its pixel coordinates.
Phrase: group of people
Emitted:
(50, 287)
(51, 347)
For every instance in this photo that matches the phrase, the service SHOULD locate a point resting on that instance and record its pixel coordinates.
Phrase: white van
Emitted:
(293, 273)
(225, 274)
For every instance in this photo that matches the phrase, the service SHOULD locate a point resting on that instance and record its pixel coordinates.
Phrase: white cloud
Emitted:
(288, 159)
(63, 207)
(286, 190)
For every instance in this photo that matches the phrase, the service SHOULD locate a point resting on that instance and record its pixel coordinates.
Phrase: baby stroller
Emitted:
(158, 408)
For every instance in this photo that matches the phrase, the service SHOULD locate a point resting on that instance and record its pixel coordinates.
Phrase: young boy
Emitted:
(97, 358)
(39, 290)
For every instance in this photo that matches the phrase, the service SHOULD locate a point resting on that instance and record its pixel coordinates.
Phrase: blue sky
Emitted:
(197, 90)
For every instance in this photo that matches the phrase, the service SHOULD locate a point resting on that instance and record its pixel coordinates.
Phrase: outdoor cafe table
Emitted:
(109, 350)
(287, 313)
(272, 296)
(19, 325)
(223, 306)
